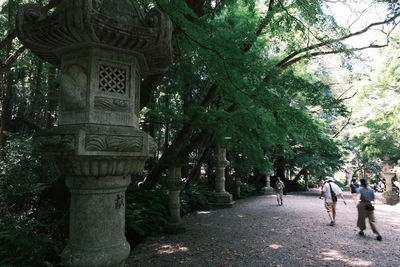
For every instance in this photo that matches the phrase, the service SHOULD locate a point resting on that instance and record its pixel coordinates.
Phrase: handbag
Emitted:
(369, 207)
(334, 197)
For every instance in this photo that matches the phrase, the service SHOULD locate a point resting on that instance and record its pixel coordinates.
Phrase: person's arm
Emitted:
(342, 196)
(339, 192)
(322, 192)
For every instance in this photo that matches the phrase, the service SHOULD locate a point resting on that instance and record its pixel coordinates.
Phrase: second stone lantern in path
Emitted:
(103, 48)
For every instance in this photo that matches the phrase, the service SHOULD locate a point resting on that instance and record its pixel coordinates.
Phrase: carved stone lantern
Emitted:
(220, 198)
(175, 185)
(268, 190)
(103, 48)
(389, 196)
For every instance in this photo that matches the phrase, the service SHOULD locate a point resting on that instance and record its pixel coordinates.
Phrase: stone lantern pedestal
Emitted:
(220, 198)
(103, 48)
(175, 185)
(389, 196)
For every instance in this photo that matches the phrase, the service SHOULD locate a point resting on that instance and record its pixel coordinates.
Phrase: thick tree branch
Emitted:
(336, 40)
(321, 53)
(344, 126)
(10, 60)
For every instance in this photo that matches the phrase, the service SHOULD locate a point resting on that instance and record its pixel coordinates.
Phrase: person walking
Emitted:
(353, 189)
(365, 196)
(330, 190)
(279, 185)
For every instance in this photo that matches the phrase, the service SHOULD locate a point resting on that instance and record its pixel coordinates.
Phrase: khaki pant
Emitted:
(331, 209)
(279, 197)
(362, 214)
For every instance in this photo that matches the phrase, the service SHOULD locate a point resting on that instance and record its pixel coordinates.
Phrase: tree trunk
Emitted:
(35, 91)
(301, 172)
(6, 93)
(196, 170)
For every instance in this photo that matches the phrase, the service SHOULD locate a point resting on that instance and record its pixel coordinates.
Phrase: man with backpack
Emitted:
(330, 190)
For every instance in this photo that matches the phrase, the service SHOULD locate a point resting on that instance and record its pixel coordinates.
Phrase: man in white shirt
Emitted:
(329, 189)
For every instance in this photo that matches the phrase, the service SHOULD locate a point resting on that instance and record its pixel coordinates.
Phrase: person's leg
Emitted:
(277, 197)
(354, 197)
(361, 218)
(372, 223)
(328, 207)
(334, 211)
(281, 197)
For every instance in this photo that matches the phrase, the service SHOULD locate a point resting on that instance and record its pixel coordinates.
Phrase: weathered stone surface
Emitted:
(94, 140)
(267, 189)
(220, 198)
(389, 196)
(174, 185)
(102, 47)
(97, 221)
(117, 25)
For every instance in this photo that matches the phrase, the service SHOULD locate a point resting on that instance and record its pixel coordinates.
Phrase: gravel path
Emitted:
(257, 232)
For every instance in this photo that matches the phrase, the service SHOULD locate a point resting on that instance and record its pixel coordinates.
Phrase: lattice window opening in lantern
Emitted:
(112, 79)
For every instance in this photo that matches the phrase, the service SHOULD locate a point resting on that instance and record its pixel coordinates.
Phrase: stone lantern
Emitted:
(389, 196)
(267, 189)
(348, 173)
(220, 198)
(103, 48)
(175, 185)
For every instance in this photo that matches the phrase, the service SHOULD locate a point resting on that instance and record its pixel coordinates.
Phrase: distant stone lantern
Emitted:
(103, 48)
(388, 173)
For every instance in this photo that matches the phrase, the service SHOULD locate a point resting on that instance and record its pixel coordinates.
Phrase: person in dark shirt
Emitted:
(353, 189)
(365, 209)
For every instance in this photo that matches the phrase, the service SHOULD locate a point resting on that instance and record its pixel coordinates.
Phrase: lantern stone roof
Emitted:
(111, 24)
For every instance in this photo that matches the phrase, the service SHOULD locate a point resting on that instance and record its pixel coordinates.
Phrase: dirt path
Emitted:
(257, 232)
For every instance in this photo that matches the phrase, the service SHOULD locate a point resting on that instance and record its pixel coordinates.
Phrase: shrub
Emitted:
(32, 227)
(146, 212)
(194, 197)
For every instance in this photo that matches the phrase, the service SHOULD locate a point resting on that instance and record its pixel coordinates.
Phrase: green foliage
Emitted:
(32, 226)
(258, 105)
(246, 189)
(146, 212)
(194, 197)
(382, 136)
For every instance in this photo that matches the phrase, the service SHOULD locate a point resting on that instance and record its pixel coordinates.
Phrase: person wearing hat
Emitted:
(330, 190)
(365, 209)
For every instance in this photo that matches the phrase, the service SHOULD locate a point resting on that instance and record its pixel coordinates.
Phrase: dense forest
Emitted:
(248, 75)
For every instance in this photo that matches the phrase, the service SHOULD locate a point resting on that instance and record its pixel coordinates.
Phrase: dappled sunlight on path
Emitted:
(334, 255)
(257, 232)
